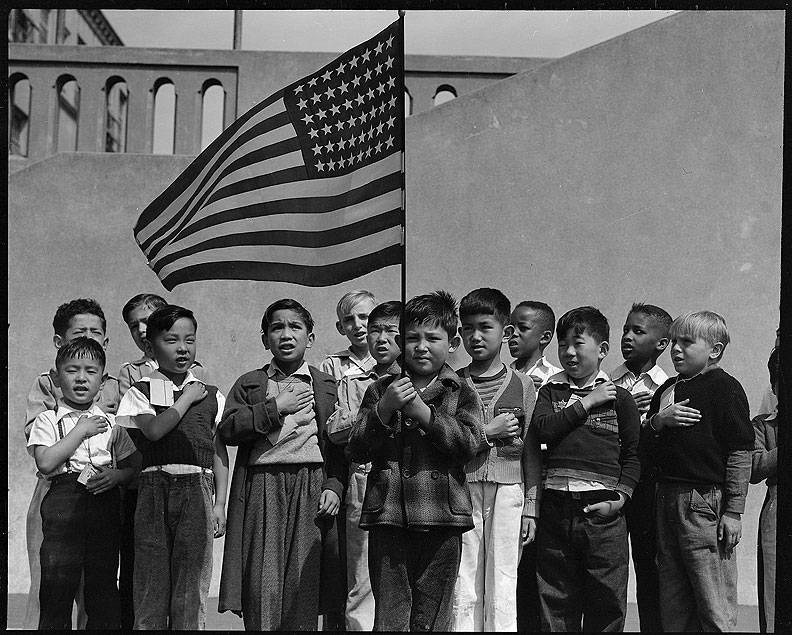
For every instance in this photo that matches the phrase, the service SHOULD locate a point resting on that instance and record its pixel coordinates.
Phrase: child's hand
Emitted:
(417, 409)
(91, 426)
(503, 425)
(642, 400)
(606, 509)
(603, 393)
(295, 398)
(305, 416)
(329, 503)
(528, 530)
(104, 480)
(398, 394)
(677, 415)
(194, 392)
(219, 517)
(730, 531)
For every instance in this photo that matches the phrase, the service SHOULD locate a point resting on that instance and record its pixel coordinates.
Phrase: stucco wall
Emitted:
(645, 168)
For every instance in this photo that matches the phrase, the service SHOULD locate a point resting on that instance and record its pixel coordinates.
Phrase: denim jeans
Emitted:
(412, 576)
(698, 580)
(582, 566)
(80, 539)
(173, 550)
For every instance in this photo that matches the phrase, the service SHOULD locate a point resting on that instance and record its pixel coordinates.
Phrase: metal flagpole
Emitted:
(404, 204)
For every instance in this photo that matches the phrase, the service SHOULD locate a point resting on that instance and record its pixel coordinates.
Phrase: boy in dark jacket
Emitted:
(418, 431)
(591, 428)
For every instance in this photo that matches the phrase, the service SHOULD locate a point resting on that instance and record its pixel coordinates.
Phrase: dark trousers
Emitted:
(641, 525)
(127, 558)
(80, 539)
(413, 574)
(582, 566)
(527, 591)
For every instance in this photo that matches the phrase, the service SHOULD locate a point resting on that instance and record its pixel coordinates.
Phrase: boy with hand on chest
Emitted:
(591, 428)
(699, 432)
(85, 457)
(644, 338)
(172, 418)
(503, 477)
(419, 431)
(281, 553)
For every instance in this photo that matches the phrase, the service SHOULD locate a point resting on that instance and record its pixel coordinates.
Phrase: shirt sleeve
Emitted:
(42, 432)
(133, 403)
(40, 398)
(221, 400)
(121, 445)
(328, 368)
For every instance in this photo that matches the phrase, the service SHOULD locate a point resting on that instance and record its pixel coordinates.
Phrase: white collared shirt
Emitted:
(101, 450)
(648, 381)
(135, 403)
(344, 363)
(541, 369)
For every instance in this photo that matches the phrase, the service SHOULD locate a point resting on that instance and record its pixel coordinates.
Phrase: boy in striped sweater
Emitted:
(504, 475)
(591, 428)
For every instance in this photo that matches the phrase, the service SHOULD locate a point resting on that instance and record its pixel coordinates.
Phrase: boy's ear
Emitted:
(604, 347)
(55, 379)
(264, 341)
(58, 341)
(454, 343)
(398, 339)
(508, 332)
(311, 339)
(716, 351)
(339, 328)
(662, 344)
(547, 336)
(106, 343)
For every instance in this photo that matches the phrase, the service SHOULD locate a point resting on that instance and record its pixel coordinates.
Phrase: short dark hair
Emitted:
(659, 316)
(80, 348)
(544, 312)
(151, 300)
(486, 301)
(584, 319)
(436, 308)
(66, 311)
(165, 317)
(287, 304)
(386, 311)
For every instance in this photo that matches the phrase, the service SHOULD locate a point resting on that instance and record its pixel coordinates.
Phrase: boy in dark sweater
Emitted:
(700, 435)
(591, 428)
(419, 431)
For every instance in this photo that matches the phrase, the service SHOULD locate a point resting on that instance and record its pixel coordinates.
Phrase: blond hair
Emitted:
(707, 325)
(349, 300)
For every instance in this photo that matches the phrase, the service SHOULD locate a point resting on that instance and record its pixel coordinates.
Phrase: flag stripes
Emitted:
(306, 187)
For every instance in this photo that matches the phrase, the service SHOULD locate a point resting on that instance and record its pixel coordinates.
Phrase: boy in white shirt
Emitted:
(86, 457)
(533, 323)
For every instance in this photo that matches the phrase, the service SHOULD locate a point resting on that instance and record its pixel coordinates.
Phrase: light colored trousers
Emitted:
(34, 537)
(485, 596)
(767, 557)
(360, 599)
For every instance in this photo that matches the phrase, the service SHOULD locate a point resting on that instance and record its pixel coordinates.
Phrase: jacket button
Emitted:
(435, 474)
(406, 473)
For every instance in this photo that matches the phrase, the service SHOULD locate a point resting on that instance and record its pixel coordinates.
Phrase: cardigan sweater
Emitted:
(598, 445)
(492, 463)
(248, 415)
(417, 478)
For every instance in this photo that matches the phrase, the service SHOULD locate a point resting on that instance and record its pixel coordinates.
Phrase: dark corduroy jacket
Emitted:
(249, 415)
(417, 477)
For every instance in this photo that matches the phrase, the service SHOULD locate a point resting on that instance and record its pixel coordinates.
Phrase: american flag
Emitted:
(306, 187)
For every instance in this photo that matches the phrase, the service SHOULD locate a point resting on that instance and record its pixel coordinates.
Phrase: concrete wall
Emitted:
(645, 168)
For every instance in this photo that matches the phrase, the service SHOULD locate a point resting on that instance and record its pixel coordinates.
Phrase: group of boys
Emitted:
(495, 497)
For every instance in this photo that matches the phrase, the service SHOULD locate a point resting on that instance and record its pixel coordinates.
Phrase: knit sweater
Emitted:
(518, 461)
(598, 445)
(191, 442)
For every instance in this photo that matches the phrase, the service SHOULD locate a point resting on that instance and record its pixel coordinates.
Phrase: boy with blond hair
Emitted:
(699, 432)
(503, 477)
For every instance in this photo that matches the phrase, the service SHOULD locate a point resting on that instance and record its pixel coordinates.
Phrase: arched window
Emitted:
(408, 105)
(212, 111)
(68, 113)
(164, 116)
(116, 99)
(443, 94)
(19, 117)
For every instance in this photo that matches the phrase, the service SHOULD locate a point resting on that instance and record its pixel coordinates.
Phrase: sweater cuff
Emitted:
(334, 485)
(624, 489)
(580, 411)
(530, 508)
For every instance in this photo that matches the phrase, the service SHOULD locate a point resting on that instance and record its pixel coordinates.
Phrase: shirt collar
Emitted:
(563, 378)
(772, 416)
(655, 373)
(302, 371)
(539, 363)
(64, 410)
(189, 377)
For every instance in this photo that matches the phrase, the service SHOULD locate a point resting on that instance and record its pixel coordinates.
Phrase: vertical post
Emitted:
(404, 201)
(237, 45)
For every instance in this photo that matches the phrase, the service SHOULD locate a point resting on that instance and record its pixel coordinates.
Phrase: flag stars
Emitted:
(389, 141)
(335, 109)
(327, 129)
(390, 121)
(347, 104)
(302, 104)
(378, 68)
(367, 74)
(314, 133)
(360, 156)
(308, 119)
(298, 89)
(378, 147)
(378, 48)
(321, 114)
(329, 147)
(327, 75)
(341, 144)
(315, 98)
(370, 94)
(339, 125)
(381, 88)
(312, 82)
(391, 82)
(365, 57)
(389, 62)
(317, 149)
(330, 92)
(379, 127)
(359, 100)
(389, 41)
(356, 81)
(340, 68)
(353, 62)
(392, 102)
(320, 166)
(342, 88)
(331, 164)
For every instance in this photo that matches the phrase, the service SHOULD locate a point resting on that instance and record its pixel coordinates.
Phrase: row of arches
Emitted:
(443, 93)
(66, 120)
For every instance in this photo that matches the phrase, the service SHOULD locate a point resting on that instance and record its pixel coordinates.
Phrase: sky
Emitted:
(499, 33)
